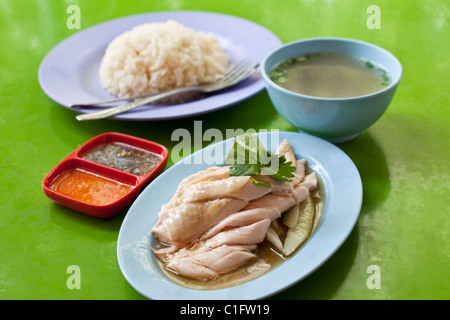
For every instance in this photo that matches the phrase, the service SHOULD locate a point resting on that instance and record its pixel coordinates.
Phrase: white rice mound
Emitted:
(158, 56)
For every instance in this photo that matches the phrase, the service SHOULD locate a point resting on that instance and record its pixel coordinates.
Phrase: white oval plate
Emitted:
(69, 72)
(342, 187)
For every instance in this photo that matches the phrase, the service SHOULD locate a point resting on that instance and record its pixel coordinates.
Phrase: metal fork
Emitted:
(103, 103)
(235, 74)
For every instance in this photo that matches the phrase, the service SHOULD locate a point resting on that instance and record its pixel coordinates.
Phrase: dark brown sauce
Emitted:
(124, 157)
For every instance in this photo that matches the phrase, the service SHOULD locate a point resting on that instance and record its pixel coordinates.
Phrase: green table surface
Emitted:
(403, 159)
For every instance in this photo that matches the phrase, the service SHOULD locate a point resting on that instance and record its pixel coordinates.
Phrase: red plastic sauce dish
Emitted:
(105, 175)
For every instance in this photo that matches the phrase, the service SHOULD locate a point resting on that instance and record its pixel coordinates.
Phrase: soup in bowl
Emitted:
(333, 88)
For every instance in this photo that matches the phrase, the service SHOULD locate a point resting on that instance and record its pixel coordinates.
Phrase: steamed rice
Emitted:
(158, 56)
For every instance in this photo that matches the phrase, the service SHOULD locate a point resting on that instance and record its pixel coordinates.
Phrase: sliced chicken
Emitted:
(285, 149)
(232, 187)
(242, 218)
(208, 263)
(280, 202)
(276, 186)
(310, 182)
(202, 204)
(300, 171)
(222, 253)
(214, 222)
(210, 174)
(184, 223)
(250, 234)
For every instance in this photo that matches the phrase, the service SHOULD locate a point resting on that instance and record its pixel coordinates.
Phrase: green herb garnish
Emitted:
(278, 75)
(259, 183)
(249, 158)
(312, 55)
(369, 65)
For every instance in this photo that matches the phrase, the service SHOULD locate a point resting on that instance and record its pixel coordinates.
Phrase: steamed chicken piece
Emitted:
(247, 234)
(204, 262)
(220, 254)
(183, 224)
(210, 174)
(232, 187)
(242, 218)
(285, 149)
(202, 205)
(214, 222)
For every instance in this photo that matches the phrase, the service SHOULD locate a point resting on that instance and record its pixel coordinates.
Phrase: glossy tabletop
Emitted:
(400, 246)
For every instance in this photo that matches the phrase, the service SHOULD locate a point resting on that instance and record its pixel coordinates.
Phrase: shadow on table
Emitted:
(100, 230)
(371, 163)
(325, 281)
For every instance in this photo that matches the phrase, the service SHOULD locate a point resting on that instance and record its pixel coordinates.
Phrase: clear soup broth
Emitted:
(330, 75)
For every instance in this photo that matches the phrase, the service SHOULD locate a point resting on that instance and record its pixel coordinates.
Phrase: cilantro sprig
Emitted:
(249, 158)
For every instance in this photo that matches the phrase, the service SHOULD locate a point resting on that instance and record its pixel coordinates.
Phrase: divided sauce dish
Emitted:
(100, 189)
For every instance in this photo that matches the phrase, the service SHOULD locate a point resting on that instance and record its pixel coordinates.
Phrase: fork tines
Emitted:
(240, 70)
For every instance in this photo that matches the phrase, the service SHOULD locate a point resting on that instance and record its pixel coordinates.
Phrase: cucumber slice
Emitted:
(298, 235)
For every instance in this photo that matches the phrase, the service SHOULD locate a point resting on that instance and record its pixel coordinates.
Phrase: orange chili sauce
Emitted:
(88, 187)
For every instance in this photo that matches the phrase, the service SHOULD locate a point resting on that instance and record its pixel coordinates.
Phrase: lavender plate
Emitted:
(69, 72)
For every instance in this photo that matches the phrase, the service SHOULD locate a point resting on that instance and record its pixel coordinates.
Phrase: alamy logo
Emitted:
(74, 280)
(217, 152)
(374, 280)
(74, 20)
(374, 20)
